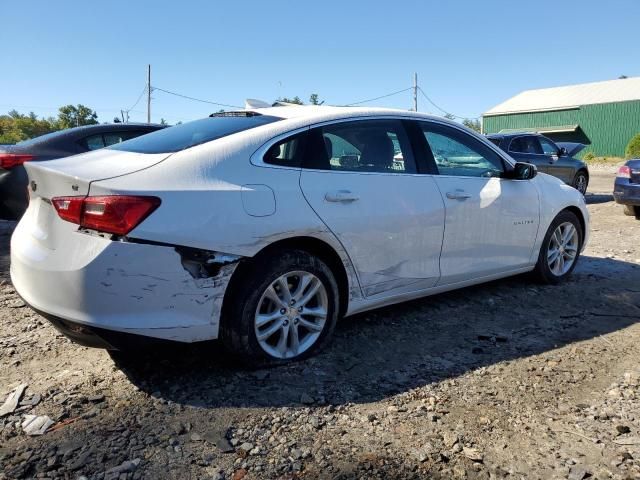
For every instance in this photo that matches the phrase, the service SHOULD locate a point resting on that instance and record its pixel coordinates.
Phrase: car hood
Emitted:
(571, 147)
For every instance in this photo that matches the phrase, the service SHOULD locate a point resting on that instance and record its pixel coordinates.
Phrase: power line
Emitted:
(196, 99)
(441, 109)
(377, 98)
(138, 100)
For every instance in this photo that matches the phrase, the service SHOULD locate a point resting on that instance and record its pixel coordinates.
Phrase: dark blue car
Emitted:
(626, 190)
(557, 159)
(64, 143)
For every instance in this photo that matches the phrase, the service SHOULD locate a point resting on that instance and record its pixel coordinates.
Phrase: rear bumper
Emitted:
(87, 284)
(626, 193)
(95, 337)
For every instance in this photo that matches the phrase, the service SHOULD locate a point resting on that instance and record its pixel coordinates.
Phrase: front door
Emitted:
(360, 178)
(491, 222)
(557, 166)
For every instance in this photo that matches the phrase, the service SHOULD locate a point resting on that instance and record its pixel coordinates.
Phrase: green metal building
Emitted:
(603, 115)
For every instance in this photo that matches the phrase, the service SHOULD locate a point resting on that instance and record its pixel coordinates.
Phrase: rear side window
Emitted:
(380, 146)
(186, 135)
(288, 152)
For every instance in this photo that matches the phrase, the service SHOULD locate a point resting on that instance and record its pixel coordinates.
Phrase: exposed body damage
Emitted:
(153, 290)
(186, 211)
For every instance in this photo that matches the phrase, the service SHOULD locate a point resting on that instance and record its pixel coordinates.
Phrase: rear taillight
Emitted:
(624, 172)
(117, 214)
(10, 160)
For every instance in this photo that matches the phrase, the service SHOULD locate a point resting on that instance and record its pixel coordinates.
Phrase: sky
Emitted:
(469, 55)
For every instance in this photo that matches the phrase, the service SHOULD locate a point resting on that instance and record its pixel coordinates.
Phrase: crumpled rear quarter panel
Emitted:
(134, 288)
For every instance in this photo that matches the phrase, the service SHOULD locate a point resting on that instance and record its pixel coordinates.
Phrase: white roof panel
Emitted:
(571, 96)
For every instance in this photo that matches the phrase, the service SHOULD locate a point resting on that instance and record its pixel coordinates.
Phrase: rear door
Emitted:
(491, 222)
(360, 178)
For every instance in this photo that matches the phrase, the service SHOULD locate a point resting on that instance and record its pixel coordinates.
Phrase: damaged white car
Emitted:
(263, 227)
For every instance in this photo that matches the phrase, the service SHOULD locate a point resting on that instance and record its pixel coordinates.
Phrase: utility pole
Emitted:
(149, 93)
(415, 92)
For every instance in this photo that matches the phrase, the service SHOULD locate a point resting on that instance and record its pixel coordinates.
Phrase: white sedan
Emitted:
(263, 227)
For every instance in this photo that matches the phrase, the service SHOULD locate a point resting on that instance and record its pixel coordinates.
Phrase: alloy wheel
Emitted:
(291, 314)
(581, 184)
(563, 248)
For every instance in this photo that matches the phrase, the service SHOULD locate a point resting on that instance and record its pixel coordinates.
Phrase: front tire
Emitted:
(581, 182)
(283, 309)
(560, 249)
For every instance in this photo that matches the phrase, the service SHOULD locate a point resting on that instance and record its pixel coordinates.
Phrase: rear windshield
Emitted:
(42, 138)
(179, 137)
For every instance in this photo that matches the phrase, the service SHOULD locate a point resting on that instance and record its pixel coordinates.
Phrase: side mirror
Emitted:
(523, 171)
(563, 152)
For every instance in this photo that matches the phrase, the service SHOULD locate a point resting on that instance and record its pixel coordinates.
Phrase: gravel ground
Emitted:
(506, 380)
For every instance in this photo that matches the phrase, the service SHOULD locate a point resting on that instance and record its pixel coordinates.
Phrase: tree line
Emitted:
(16, 127)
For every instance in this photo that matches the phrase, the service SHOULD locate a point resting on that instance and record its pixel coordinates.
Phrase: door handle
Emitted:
(458, 195)
(341, 196)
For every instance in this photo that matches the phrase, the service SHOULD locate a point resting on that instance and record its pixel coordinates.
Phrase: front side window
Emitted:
(527, 144)
(190, 134)
(457, 153)
(380, 146)
(548, 147)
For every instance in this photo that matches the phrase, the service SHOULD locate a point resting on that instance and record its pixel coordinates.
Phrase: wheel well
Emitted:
(583, 170)
(578, 213)
(315, 247)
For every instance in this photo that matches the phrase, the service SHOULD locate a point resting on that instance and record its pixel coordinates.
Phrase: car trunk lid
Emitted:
(634, 166)
(72, 176)
(571, 147)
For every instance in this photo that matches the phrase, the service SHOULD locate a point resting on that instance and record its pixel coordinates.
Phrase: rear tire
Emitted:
(632, 211)
(275, 311)
(581, 182)
(560, 249)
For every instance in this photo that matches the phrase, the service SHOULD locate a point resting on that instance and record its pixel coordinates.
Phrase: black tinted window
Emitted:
(287, 152)
(362, 146)
(94, 142)
(179, 137)
(525, 145)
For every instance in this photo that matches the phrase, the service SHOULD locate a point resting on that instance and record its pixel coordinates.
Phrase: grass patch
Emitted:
(611, 161)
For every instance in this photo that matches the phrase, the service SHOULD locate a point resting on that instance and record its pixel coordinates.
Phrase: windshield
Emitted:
(186, 135)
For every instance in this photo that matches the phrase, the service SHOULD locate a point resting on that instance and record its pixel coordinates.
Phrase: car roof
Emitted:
(114, 126)
(322, 113)
(513, 134)
(60, 138)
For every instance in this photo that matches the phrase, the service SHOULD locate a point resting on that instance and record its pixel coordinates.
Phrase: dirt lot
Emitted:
(505, 380)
